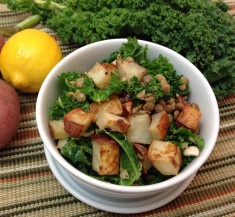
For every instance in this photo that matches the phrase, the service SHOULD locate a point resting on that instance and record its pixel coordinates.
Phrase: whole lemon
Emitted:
(27, 57)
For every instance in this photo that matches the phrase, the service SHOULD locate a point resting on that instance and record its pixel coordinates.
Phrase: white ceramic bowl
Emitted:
(83, 59)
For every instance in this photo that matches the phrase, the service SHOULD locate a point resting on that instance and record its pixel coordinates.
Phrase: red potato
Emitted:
(2, 42)
(9, 113)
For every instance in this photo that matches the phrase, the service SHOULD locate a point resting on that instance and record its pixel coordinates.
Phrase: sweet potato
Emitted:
(9, 113)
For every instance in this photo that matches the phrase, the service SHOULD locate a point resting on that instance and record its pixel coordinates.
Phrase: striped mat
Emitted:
(28, 187)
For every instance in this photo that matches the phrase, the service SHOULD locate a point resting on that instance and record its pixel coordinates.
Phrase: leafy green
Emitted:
(180, 135)
(130, 49)
(160, 65)
(134, 50)
(103, 94)
(136, 87)
(76, 150)
(158, 176)
(194, 138)
(64, 104)
(200, 30)
(128, 158)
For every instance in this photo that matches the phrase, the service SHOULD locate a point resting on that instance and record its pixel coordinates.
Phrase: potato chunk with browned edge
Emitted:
(57, 129)
(105, 157)
(77, 121)
(159, 125)
(128, 69)
(189, 117)
(112, 105)
(112, 122)
(165, 157)
(101, 74)
(139, 129)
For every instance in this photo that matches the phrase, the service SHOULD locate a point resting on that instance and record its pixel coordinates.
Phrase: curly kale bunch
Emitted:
(200, 30)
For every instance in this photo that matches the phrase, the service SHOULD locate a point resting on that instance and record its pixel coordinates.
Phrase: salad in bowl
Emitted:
(127, 120)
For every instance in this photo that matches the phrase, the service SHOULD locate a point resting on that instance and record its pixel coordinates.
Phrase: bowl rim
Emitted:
(113, 187)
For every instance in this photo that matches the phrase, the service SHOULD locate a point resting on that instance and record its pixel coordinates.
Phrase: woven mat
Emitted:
(28, 187)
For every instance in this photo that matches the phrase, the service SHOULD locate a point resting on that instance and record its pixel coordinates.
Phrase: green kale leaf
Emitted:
(180, 135)
(76, 150)
(128, 159)
(202, 30)
(115, 86)
(64, 104)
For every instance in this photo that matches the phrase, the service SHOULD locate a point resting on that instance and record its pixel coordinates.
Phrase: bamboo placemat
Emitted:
(28, 187)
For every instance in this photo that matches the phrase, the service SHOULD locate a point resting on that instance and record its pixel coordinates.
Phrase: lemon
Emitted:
(27, 57)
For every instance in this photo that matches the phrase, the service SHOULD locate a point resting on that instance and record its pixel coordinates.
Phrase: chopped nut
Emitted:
(71, 94)
(136, 109)
(78, 83)
(149, 94)
(192, 151)
(124, 174)
(151, 99)
(184, 145)
(162, 102)
(141, 95)
(195, 106)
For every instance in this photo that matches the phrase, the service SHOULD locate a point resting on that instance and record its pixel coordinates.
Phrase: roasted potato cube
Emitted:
(159, 125)
(142, 152)
(189, 117)
(100, 75)
(57, 129)
(105, 157)
(113, 122)
(128, 69)
(112, 105)
(165, 157)
(77, 121)
(139, 129)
